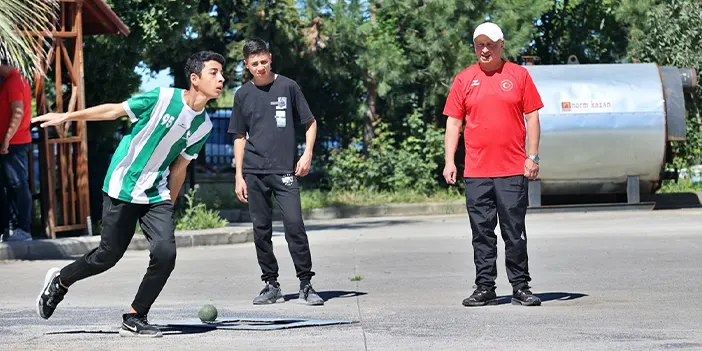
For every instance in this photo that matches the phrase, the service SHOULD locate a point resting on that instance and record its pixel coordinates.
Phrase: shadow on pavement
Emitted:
(360, 224)
(328, 295)
(545, 297)
(167, 331)
(675, 201)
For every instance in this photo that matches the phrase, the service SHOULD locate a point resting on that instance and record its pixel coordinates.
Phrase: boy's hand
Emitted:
(241, 192)
(50, 119)
(303, 165)
(5, 147)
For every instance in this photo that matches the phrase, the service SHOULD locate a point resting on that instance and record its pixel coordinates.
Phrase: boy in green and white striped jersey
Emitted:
(170, 126)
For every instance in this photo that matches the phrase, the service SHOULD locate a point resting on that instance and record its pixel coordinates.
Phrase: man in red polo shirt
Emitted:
(494, 98)
(15, 145)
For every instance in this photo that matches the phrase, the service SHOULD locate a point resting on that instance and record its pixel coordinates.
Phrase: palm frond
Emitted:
(23, 24)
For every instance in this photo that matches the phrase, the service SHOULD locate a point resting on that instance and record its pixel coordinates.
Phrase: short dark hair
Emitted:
(253, 47)
(196, 62)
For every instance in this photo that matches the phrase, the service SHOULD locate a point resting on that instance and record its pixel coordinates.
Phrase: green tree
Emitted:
(110, 60)
(676, 41)
(595, 31)
(211, 25)
(329, 72)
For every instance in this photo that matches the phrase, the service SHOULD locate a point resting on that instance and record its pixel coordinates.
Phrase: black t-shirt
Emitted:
(269, 114)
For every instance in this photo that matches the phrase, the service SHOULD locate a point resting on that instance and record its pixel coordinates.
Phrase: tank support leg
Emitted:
(632, 190)
(534, 193)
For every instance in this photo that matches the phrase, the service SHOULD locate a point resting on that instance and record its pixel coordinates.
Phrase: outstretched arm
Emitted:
(176, 177)
(104, 112)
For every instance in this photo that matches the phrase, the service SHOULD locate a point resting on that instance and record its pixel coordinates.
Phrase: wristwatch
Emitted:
(534, 158)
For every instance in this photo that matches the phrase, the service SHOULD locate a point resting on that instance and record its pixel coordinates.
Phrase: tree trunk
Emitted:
(372, 96)
(371, 113)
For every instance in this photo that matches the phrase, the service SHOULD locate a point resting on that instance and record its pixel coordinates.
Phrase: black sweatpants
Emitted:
(488, 199)
(119, 220)
(287, 194)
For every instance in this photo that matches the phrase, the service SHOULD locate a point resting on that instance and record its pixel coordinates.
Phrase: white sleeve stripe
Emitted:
(188, 157)
(200, 133)
(131, 115)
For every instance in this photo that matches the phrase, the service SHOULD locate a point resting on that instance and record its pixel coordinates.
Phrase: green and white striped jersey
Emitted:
(164, 127)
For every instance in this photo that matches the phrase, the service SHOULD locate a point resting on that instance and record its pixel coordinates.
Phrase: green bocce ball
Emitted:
(208, 313)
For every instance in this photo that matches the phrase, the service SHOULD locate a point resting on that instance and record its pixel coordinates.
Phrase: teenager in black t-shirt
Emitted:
(265, 115)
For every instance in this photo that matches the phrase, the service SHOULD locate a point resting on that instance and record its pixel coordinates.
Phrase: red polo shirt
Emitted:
(492, 105)
(15, 88)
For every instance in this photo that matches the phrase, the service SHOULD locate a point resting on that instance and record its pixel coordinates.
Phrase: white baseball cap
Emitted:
(490, 30)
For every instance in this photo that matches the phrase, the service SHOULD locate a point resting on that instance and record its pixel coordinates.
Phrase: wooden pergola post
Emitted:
(63, 151)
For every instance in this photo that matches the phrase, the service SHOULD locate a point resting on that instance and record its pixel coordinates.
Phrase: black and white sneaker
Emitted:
(51, 294)
(135, 325)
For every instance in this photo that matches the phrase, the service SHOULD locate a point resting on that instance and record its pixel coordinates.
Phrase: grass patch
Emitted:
(681, 186)
(196, 215)
(357, 278)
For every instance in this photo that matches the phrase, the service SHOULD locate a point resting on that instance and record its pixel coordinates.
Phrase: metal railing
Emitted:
(219, 148)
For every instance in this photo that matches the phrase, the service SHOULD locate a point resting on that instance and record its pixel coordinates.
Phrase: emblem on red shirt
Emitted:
(506, 85)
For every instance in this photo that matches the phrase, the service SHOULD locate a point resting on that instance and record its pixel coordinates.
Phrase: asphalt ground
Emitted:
(608, 280)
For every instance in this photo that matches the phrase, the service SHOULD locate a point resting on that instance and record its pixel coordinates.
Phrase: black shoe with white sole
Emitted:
(135, 325)
(482, 296)
(525, 297)
(51, 294)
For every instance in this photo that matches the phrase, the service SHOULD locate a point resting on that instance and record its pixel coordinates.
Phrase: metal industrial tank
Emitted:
(606, 128)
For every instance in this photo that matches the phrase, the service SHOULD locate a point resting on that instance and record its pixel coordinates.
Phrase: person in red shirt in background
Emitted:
(15, 145)
(494, 98)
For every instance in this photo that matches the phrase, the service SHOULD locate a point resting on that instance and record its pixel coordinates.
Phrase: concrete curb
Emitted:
(66, 247)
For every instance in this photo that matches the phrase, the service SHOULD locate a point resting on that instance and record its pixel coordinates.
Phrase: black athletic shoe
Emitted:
(51, 294)
(481, 297)
(524, 297)
(134, 324)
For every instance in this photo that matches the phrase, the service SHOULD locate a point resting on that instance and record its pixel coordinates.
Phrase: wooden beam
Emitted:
(62, 18)
(62, 174)
(73, 199)
(69, 140)
(69, 64)
(48, 187)
(58, 86)
(82, 181)
(74, 100)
